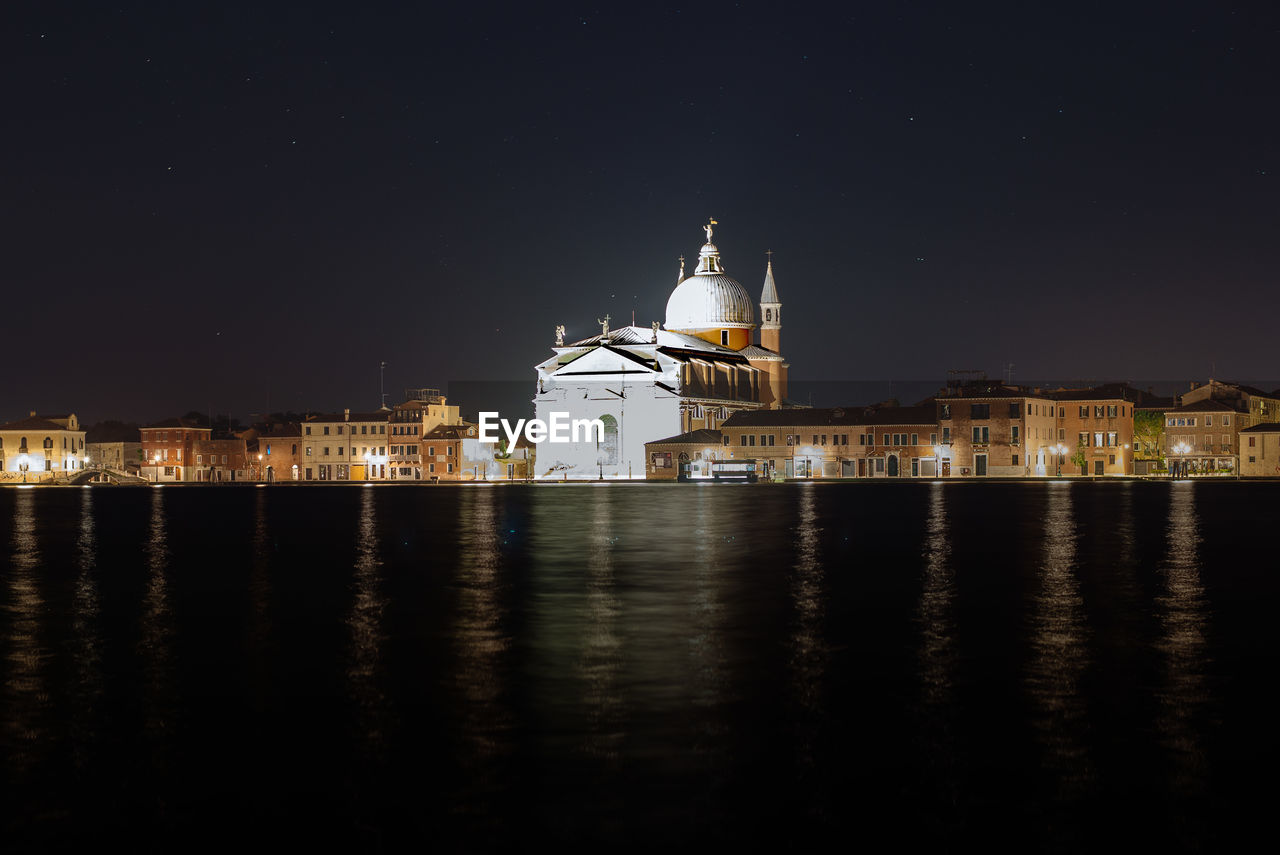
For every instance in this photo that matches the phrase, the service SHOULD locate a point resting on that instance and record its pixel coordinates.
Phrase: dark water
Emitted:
(923, 666)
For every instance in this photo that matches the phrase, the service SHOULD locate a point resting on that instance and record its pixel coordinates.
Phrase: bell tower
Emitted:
(770, 312)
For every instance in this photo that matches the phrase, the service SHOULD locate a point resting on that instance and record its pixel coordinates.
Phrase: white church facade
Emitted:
(645, 384)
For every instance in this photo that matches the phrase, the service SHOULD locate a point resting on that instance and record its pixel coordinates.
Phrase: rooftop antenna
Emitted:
(382, 384)
(1008, 374)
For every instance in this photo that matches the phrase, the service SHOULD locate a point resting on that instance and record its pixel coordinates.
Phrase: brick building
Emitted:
(995, 429)
(216, 461)
(279, 452)
(168, 449)
(1097, 424)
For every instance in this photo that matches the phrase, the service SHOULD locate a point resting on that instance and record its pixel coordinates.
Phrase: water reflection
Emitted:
(1060, 653)
(258, 630)
(368, 636)
(809, 654)
(86, 635)
(156, 644)
(1182, 610)
(706, 642)
(601, 652)
(25, 693)
(937, 654)
(481, 642)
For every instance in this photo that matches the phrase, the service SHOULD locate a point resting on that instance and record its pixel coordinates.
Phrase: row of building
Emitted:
(978, 428)
(422, 439)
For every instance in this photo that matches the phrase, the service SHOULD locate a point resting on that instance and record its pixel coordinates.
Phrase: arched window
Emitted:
(768, 315)
(609, 445)
(48, 442)
(22, 445)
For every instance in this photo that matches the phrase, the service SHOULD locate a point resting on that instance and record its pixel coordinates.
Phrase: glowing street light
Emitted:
(1061, 451)
(937, 461)
(1181, 449)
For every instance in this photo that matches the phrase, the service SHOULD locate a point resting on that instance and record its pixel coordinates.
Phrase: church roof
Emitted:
(752, 351)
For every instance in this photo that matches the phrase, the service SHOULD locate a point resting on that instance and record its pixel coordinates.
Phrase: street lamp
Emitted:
(1181, 450)
(24, 466)
(1061, 451)
(937, 461)
(156, 461)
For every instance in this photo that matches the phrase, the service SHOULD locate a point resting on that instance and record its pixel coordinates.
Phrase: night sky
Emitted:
(235, 207)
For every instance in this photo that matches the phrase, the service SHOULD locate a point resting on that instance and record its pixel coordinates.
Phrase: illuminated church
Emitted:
(649, 383)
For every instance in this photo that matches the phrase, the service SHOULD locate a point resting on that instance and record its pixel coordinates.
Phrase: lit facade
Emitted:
(41, 448)
(345, 446)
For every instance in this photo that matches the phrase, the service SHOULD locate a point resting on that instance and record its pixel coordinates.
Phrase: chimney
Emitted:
(33, 414)
(346, 414)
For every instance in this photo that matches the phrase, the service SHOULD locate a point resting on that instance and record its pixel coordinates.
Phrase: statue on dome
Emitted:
(560, 335)
(707, 228)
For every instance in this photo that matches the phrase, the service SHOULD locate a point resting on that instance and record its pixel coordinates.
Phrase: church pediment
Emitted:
(607, 360)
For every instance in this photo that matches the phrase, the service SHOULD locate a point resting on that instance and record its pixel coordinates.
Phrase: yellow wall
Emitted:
(738, 339)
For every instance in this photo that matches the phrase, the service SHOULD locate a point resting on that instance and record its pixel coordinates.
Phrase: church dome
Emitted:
(710, 298)
(709, 301)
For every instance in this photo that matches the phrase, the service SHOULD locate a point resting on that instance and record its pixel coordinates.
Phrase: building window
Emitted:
(724, 337)
(981, 411)
(933, 439)
(915, 439)
(1015, 460)
(744, 440)
(1084, 412)
(1097, 439)
(1014, 436)
(1015, 411)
